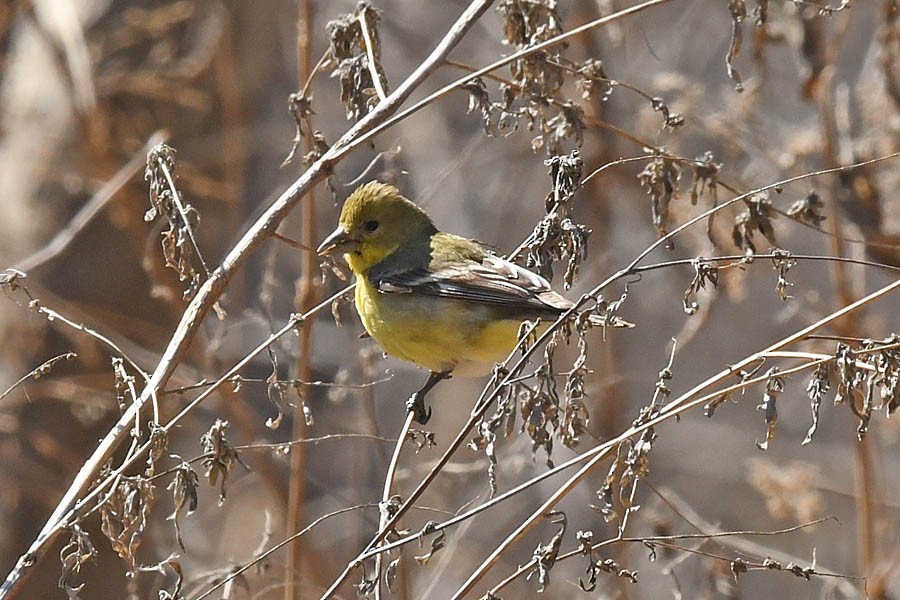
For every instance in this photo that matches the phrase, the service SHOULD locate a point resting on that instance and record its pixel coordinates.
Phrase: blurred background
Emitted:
(87, 86)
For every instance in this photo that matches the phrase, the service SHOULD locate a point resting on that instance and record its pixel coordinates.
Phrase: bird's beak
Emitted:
(339, 240)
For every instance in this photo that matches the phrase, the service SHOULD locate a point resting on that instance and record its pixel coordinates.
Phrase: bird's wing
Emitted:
(493, 280)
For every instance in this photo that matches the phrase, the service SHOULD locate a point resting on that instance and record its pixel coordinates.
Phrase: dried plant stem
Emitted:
(57, 317)
(740, 197)
(866, 539)
(292, 324)
(736, 540)
(235, 154)
(182, 212)
(370, 54)
(523, 569)
(554, 498)
(488, 396)
(687, 400)
(386, 492)
(510, 59)
(813, 361)
(39, 371)
(212, 288)
(740, 260)
(527, 524)
(286, 542)
(92, 208)
(306, 294)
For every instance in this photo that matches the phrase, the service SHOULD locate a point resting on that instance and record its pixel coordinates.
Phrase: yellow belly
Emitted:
(439, 334)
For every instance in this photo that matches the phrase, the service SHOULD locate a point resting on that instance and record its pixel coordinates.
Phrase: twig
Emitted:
(304, 298)
(212, 288)
(740, 259)
(565, 488)
(92, 208)
(778, 185)
(292, 243)
(602, 449)
(386, 492)
(54, 316)
(731, 539)
(684, 402)
(182, 212)
(281, 545)
(370, 55)
(39, 371)
(488, 396)
(276, 446)
(558, 39)
(228, 376)
(310, 383)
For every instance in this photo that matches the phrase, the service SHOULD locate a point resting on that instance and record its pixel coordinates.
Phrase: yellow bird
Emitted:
(441, 301)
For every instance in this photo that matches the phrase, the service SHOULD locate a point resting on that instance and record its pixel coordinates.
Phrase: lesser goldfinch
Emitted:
(441, 301)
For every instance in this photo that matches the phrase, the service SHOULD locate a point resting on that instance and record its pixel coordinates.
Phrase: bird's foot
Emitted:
(416, 405)
(416, 402)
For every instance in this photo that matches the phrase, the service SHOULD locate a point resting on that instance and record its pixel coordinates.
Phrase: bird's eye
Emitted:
(370, 226)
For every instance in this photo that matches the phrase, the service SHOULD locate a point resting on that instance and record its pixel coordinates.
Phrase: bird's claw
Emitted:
(416, 405)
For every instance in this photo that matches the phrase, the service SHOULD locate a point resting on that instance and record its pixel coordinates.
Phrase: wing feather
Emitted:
(492, 281)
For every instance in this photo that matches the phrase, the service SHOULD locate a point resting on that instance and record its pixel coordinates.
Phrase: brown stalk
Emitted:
(306, 294)
(213, 287)
(488, 397)
(682, 403)
(386, 493)
(822, 92)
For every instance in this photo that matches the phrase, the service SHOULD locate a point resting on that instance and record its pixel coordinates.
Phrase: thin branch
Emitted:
(54, 316)
(777, 185)
(386, 492)
(281, 545)
(814, 361)
(684, 402)
(291, 242)
(662, 541)
(39, 371)
(92, 208)
(288, 382)
(182, 211)
(558, 39)
(492, 390)
(277, 446)
(741, 259)
(211, 289)
(562, 491)
(291, 325)
(298, 564)
(370, 55)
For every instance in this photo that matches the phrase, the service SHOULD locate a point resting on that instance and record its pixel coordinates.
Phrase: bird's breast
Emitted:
(434, 332)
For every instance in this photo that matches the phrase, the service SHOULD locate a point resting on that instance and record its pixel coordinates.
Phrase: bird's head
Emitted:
(375, 221)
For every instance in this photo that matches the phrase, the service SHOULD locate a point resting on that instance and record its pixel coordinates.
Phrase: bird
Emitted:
(441, 301)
